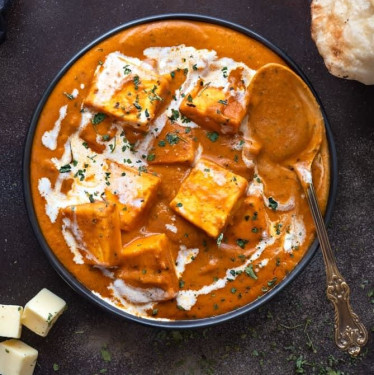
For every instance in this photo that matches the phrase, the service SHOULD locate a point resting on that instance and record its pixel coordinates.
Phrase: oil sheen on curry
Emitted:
(150, 184)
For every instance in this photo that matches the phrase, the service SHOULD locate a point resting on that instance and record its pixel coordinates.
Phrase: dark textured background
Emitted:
(296, 326)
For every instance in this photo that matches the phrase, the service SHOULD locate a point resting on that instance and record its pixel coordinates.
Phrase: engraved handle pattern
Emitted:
(350, 334)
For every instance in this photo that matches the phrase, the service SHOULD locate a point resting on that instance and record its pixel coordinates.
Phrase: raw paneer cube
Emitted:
(42, 312)
(251, 219)
(175, 144)
(127, 89)
(218, 108)
(148, 263)
(17, 358)
(208, 196)
(10, 321)
(95, 230)
(132, 191)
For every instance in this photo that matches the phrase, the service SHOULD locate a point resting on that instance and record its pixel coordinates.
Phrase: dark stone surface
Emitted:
(296, 325)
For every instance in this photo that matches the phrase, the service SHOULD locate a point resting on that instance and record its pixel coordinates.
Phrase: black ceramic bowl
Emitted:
(80, 288)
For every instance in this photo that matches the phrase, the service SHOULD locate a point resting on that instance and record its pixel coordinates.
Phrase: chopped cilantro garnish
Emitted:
(98, 117)
(172, 138)
(250, 272)
(151, 157)
(126, 70)
(136, 82)
(69, 96)
(219, 239)
(224, 102)
(65, 168)
(174, 115)
(241, 243)
(273, 204)
(224, 72)
(213, 136)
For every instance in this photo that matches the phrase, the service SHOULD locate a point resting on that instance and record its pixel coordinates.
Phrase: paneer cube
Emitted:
(218, 108)
(10, 321)
(148, 263)
(132, 191)
(17, 358)
(249, 224)
(42, 312)
(95, 230)
(128, 90)
(208, 196)
(175, 144)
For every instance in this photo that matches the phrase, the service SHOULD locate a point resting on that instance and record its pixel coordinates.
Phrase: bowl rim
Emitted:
(74, 283)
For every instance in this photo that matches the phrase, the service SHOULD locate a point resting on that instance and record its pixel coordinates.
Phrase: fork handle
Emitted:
(350, 334)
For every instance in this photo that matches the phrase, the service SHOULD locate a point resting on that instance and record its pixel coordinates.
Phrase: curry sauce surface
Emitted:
(213, 261)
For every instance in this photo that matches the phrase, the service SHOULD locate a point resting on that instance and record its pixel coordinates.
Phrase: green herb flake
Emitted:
(105, 354)
(219, 239)
(154, 312)
(161, 143)
(241, 243)
(224, 72)
(213, 136)
(250, 272)
(126, 70)
(172, 138)
(105, 137)
(69, 96)
(151, 157)
(194, 67)
(56, 367)
(174, 115)
(273, 204)
(181, 283)
(172, 74)
(233, 290)
(224, 102)
(179, 204)
(136, 81)
(65, 168)
(98, 118)
(272, 282)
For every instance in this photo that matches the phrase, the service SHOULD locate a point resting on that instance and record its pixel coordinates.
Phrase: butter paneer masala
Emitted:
(150, 184)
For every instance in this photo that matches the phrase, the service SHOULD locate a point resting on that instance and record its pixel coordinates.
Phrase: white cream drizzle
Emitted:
(185, 256)
(295, 235)
(49, 138)
(187, 298)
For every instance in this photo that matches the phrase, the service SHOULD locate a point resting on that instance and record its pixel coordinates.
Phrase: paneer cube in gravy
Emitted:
(208, 196)
(175, 144)
(217, 108)
(128, 90)
(249, 223)
(133, 191)
(95, 228)
(148, 263)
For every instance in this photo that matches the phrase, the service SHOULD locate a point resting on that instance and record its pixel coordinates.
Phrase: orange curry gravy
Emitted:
(244, 230)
